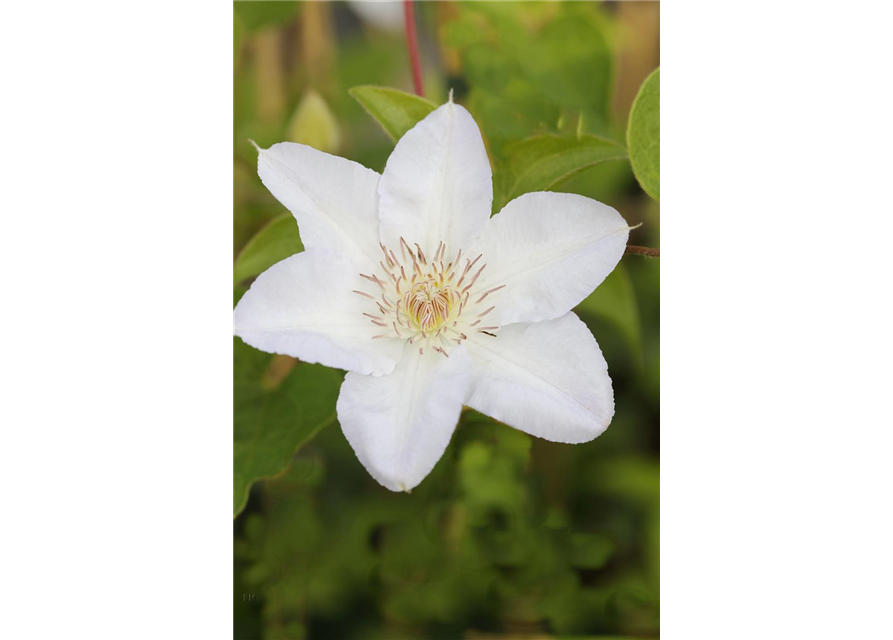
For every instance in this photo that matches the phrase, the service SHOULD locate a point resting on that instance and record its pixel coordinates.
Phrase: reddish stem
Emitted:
(412, 43)
(643, 251)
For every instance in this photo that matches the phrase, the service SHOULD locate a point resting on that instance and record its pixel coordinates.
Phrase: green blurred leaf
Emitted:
(590, 551)
(276, 241)
(542, 162)
(260, 13)
(397, 112)
(237, 38)
(570, 61)
(643, 135)
(527, 63)
(314, 124)
(615, 300)
(272, 418)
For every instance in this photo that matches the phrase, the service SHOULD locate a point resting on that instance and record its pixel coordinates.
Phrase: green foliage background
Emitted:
(510, 536)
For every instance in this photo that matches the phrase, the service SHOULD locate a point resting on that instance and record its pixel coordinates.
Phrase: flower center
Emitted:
(434, 302)
(428, 304)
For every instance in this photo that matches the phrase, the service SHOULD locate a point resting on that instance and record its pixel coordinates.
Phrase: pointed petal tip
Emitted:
(255, 145)
(451, 95)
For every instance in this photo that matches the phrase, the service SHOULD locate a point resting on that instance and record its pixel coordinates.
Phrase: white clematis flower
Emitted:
(428, 303)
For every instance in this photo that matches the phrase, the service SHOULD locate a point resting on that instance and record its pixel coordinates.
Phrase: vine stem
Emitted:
(413, 45)
(643, 251)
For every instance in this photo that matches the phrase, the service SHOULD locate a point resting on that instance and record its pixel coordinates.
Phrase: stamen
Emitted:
(474, 279)
(431, 305)
(402, 252)
(373, 278)
(489, 292)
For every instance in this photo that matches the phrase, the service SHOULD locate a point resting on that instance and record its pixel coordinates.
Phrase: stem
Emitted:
(643, 251)
(412, 43)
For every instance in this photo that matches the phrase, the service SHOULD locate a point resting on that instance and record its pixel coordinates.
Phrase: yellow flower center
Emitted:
(429, 304)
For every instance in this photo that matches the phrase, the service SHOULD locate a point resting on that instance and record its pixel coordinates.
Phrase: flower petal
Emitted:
(549, 250)
(400, 424)
(548, 379)
(334, 200)
(437, 184)
(305, 307)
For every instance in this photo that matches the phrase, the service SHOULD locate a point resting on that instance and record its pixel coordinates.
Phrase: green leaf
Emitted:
(643, 135)
(237, 38)
(615, 301)
(256, 14)
(275, 411)
(397, 112)
(542, 162)
(276, 241)
(314, 124)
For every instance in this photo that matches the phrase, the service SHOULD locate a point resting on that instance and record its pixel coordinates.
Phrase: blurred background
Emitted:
(510, 536)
